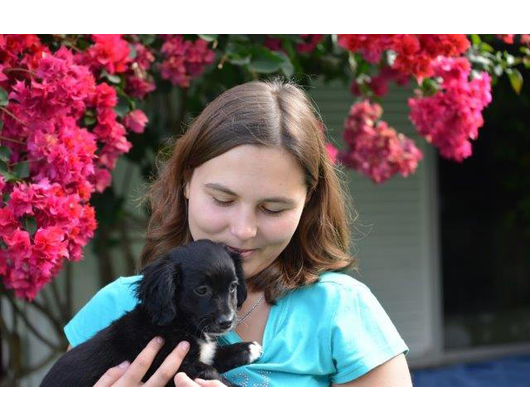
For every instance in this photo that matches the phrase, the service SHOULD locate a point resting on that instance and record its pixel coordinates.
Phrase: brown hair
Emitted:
(272, 113)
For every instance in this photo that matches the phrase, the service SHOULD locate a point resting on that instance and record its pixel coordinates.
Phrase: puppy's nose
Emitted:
(224, 321)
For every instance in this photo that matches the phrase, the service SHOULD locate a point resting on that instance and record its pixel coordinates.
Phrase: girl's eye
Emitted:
(265, 210)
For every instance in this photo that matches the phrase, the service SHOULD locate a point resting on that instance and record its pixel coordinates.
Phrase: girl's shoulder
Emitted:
(107, 305)
(330, 286)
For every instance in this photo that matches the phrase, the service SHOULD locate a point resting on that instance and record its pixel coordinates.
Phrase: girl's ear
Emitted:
(156, 290)
(241, 291)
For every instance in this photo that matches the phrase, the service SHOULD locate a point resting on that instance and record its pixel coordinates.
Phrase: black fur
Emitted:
(171, 306)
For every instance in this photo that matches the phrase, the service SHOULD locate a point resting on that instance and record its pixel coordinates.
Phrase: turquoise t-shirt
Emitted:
(333, 331)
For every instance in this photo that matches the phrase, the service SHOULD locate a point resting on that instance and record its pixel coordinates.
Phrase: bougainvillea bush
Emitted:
(71, 105)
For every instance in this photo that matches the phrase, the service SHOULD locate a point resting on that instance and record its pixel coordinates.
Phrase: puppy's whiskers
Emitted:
(201, 329)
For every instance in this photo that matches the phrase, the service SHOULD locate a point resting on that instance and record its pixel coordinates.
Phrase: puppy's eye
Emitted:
(233, 286)
(201, 291)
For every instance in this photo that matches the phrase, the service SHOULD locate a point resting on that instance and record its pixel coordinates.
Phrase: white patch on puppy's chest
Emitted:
(207, 351)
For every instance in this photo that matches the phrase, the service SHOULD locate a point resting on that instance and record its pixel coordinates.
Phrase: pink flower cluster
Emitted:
(374, 148)
(510, 38)
(65, 224)
(12, 46)
(305, 44)
(453, 115)
(507, 38)
(184, 59)
(136, 121)
(49, 97)
(110, 52)
(139, 81)
(414, 53)
(308, 43)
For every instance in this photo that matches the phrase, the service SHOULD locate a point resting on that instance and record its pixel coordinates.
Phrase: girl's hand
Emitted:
(181, 379)
(127, 374)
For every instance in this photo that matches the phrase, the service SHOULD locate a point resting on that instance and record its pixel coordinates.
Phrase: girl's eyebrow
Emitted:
(218, 187)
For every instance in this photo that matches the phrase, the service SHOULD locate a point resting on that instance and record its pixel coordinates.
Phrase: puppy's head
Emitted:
(201, 283)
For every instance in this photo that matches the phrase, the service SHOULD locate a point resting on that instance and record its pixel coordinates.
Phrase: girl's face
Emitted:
(250, 198)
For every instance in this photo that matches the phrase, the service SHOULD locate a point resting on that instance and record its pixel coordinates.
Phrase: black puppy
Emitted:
(192, 294)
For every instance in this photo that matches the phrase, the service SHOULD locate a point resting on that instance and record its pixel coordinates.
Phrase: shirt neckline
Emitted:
(274, 321)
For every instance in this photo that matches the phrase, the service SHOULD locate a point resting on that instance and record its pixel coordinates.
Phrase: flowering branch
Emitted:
(13, 116)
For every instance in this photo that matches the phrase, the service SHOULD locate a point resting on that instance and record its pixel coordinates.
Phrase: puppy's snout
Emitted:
(224, 321)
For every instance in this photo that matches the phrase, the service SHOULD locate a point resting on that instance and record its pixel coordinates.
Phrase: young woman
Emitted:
(252, 172)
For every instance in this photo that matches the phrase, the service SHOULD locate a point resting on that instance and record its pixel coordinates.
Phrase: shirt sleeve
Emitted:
(107, 305)
(362, 335)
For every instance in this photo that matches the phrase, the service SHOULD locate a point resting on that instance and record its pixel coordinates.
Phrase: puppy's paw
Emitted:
(254, 352)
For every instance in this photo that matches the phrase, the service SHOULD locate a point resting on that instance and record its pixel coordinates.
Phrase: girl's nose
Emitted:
(244, 226)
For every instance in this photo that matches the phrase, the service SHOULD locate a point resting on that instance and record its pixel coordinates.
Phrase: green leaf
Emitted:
(21, 169)
(510, 59)
(352, 62)
(516, 80)
(238, 54)
(5, 154)
(122, 109)
(287, 66)
(132, 52)
(30, 224)
(113, 78)
(486, 47)
(147, 39)
(89, 120)
(498, 70)
(475, 39)
(288, 70)
(208, 38)
(429, 87)
(3, 97)
(239, 37)
(264, 60)
(8, 176)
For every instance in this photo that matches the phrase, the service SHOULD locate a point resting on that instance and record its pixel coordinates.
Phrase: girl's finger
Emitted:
(213, 383)
(181, 379)
(112, 375)
(141, 364)
(170, 366)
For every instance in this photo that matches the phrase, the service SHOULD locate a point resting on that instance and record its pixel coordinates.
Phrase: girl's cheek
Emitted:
(212, 221)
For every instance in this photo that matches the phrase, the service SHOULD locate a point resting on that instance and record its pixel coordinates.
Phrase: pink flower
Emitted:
(184, 59)
(139, 87)
(139, 81)
(136, 121)
(104, 97)
(451, 117)
(332, 152)
(508, 38)
(414, 53)
(67, 162)
(110, 52)
(374, 148)
(3, 77)
(273, 44)
(309, 42)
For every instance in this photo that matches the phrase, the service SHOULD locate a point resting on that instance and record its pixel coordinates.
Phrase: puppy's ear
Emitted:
(156, 290)
(241, 291)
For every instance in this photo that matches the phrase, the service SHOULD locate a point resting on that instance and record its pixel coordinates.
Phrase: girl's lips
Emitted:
(239, 250)
(244, 253)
